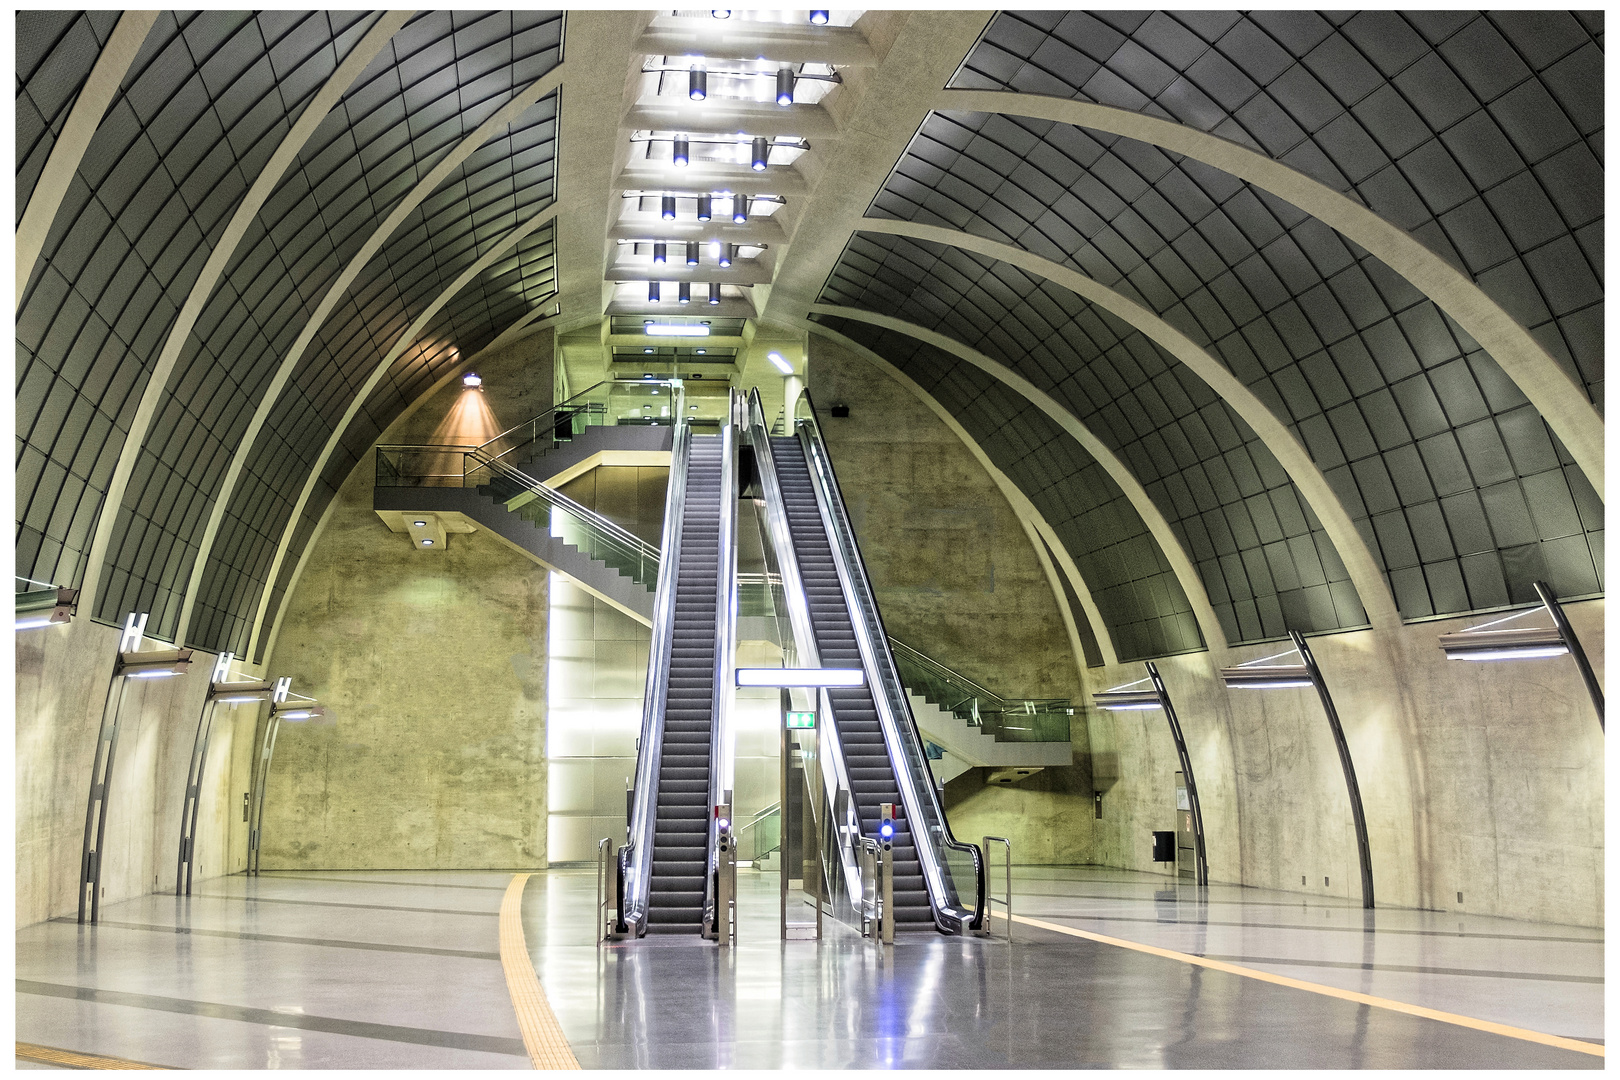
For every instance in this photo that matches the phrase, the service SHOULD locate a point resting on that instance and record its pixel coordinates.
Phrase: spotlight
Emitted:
(686, 292)
(762, 153)
(818, 18)
(780, 364)
(697, 84)
(652, 295)
(427, 543)
(660, 254)
(727, 253)
(649, 349)
(784, 86)
(668, 204)
(705, 207)
(692, 252)
(420, 524)
(721, 14)
(683, 150)
(471, 380)
(714, 292)
(739, 209)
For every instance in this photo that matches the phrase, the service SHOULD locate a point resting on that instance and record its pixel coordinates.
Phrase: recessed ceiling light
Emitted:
(427, 543)
(420, 524)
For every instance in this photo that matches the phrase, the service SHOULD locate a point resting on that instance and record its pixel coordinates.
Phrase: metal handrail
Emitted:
(551, 496)
(635, 858)
(801, 650)
(724, 654)
(541, 416)
(972, 689)
(894, 710)
(991, 900)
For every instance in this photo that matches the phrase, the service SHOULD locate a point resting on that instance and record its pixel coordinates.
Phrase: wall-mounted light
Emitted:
(727, 253)
(714, 292)
(683, 150)
(44, 607)
(818, 18)
(692, 247)
(739, 209)
(761, 154)
(780, 364)
(667, 207)
(1128, 698)
(660, 254)
(801, 677)
(1266, 677)
(697, 84)
(1528, 643)
(653, 329)
(472, 380)
(784, 86)
(652, 295)
(705, 207)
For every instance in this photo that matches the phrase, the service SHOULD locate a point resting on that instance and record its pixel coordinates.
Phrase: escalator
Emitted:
(938, 882)
(666, 869)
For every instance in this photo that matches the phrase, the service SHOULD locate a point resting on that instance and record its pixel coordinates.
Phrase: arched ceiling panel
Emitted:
(1135, 590)
(505, 182)
(1479, 132)
(1387, 394)
(55, 52)
(200, 111)
(1238, 516)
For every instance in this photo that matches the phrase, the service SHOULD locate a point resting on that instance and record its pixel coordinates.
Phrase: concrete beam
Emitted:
(1368, 579)
(703, 177)
(720, 117)
(740, 272)
(1562, 402)
(737, 39)
(759, 232)
(730, 307)
(95, 97)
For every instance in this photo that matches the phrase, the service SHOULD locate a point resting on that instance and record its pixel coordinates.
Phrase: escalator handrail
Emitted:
(725, 635)
(637, 855)
(894, 710)
(835, 772)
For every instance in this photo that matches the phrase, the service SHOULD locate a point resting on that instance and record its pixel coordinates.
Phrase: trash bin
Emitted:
(1164, 847)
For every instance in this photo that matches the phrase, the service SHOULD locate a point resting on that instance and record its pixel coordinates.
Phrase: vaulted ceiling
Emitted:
(1281, 321)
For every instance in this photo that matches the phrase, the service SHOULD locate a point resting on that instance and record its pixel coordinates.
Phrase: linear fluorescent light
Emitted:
(780, 364)
(801, 677)
(157, 664)
(42, 607)
(1266, 677)
(1524, 644)
(654, 329)
(1126, 700)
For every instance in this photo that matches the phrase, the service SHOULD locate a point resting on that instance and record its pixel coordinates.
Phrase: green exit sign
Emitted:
(801, 719)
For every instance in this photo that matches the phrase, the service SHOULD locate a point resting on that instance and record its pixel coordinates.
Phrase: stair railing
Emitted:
(1006, 719)
(929, 828)
(635, 858)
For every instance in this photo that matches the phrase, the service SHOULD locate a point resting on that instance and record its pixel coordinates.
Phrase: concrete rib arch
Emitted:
(264, 185)
(403, 342)
(1370, 585)
(1041, 534)
(1182, 566)
(425, 187)
(1559, 399)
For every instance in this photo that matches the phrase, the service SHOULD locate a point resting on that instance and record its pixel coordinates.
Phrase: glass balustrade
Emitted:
(1005, 719)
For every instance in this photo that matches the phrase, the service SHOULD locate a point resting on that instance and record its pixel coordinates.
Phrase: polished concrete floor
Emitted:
(399, 969)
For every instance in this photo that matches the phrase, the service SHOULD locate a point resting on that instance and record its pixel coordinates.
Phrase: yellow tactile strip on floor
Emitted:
(1578, 1045)
(72, 1059)
(542, 1035)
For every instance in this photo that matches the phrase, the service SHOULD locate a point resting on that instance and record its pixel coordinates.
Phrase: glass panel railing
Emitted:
(954, 870)
(760, 835)
(1005, 719)
(610, 403)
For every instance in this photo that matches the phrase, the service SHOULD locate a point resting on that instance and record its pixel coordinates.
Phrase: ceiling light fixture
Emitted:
(762, 153)
(685, 296)
(739, 209)
(692, 247)
(720, 14)
(654, 329)
(668, 207)
(784, 86)
(727, 253)
(471, 380)
(697, 84)
(683, 151)
(653, 296)
(660, 254)
(818, 18)
(780, 364)
(714, 292)
(705, 207)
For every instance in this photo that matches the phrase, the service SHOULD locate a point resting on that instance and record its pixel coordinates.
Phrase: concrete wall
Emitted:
(957, 578)
(1479, 778)
(63, 674)
(433, 668)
